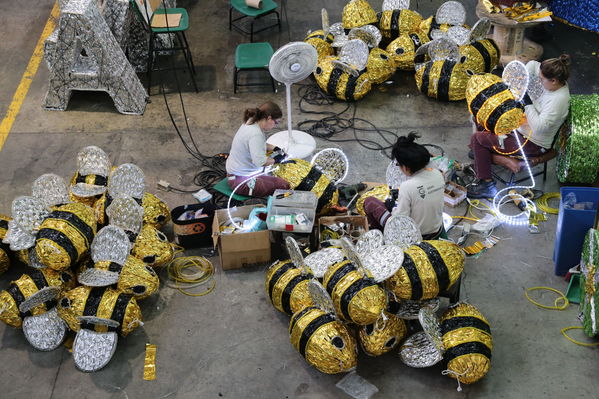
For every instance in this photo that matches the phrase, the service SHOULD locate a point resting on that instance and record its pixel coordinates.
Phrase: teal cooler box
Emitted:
(572, 225)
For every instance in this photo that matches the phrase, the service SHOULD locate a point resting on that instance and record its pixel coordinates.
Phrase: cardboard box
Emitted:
(454, 194)
(359, 220)
(240, 249)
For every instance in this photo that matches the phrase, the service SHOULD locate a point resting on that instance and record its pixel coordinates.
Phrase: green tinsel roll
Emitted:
(578, 159)
(589, 294)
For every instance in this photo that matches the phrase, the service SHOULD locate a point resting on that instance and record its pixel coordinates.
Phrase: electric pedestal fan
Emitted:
(292, 63)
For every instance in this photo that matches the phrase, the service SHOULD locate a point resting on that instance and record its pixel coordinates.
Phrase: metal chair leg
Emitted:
(278, 20)
(188, 60)
(252, 31)
(150, 62)
(193, 68)
(544, 172)
(230, 18)
(272, 82)
(235, 72)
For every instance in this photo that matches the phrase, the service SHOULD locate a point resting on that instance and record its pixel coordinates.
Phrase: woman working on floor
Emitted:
(247, 156)
(420, 197)
(544, 116)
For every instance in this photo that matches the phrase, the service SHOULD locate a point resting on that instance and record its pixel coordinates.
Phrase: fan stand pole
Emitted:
(289, 128)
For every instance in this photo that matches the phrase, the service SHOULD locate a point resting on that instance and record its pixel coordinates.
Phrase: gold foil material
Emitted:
(470, 367)
(475, 61)
(152, 247)
(408, 22)
(379, 192)
(509, 121)
(299, 298)
(323, 46)
(458, 79)
(136, 278)
(150, 363)
(72, 304)
(365, 306)
(453, 257)
(382, 336)
(323, 74)
(100, 210)
(381, 65)
(4, 250)
(357, 13)
(404, 48)
(89, 201)
(51, 253)
(294, 174)
(320, 350)
(9, 309)
(156, 212)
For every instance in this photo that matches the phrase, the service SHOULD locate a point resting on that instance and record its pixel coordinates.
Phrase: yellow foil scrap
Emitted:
(150, 363)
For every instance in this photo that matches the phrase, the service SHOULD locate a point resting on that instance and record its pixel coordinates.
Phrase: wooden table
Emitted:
(509, 36)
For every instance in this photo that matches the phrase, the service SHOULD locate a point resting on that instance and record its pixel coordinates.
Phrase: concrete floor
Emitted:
(233, 343)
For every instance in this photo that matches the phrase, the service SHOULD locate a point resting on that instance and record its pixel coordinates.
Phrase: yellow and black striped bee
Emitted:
(323, 341)
(152, 247)
(103, 303)
(492, 104)
(383, 335)
(287, 287)
(321, 43)
(428, 268)
(65, 236)
(303, 176)
(381, 65)
(403, 49)
(430, 24)
(379, 192)
(468, 343)
(334, 81)
(156, 212)
(4, 248)
(357, 13)
(25, 287)
(443, 79)
(481, 55)
(357, 297)
(95, 180)
(393, 23)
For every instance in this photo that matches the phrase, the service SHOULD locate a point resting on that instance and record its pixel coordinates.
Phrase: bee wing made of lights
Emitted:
(111, 244)
(410, 309)
(126, 213)
(442, 49)
(451, 13)
(515, 75)
(395, 5)
(45, 331)
(33, 260)
(320, 297)
(333, 163)
(91, 160)
(425, 348)
(402, 231)
(394, 175)
(320, 261)
(324, 16)
(44, 295)
(127, 179)
(370, 241)
(340, 38)
(28, 214)
(50, 189)
(353, 57)
(93, 350)
(379, 259)
(535, 87)
(369, 34)
(295, 254)
(480, 30)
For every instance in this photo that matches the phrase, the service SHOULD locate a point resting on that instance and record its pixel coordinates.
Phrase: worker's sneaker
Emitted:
(482, 189)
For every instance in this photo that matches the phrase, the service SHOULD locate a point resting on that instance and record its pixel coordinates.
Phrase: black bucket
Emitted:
(194, 233)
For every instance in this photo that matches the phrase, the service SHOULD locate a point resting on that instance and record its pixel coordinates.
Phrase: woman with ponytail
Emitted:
(420, 197)
(544, 116)
(247, 156)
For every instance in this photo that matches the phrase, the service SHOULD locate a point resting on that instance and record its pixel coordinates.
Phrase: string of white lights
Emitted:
(267, 170)
(503, 196)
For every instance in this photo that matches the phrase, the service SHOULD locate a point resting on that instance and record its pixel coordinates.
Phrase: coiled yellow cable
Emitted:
(183, 281)
(543, 203)
(575, 341)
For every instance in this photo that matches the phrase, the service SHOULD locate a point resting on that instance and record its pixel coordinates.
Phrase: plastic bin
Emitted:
(572, 225)
(295, 213)
(193, 233)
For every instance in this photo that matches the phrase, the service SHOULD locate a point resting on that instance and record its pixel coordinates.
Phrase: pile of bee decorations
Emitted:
(344, 296)
(366, 48)
(91, 248)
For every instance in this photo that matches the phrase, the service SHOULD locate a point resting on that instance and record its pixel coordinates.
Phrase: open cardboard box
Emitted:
(358, 220)
(240, 249)
(454, 194)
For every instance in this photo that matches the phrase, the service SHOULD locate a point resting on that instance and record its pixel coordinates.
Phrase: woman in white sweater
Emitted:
(247, 156)
(544, 116)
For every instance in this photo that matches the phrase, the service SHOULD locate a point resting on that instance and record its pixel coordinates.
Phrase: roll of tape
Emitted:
(254, 3)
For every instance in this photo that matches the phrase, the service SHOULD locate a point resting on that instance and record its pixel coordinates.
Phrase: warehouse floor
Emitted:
(232, 343)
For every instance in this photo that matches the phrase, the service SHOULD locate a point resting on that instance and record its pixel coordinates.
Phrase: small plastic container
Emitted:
(572, 225)
(292, 211)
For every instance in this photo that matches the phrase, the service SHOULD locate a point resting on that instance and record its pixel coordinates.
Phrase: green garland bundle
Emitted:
(589, 295)
(578, 159)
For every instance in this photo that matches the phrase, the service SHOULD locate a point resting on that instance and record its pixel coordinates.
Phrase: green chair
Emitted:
(224, 188)
(177, 31)
(252, 57)
(268, 7)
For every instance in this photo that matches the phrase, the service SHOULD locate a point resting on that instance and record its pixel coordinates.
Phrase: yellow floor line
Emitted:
(34, 63)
